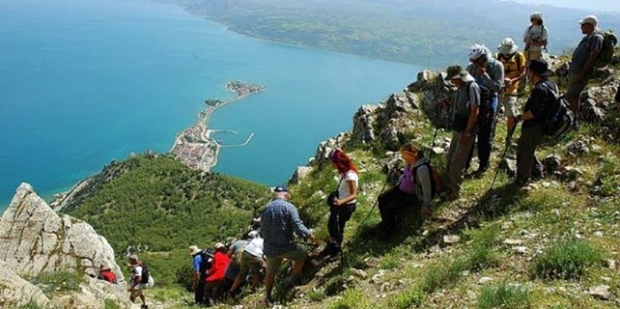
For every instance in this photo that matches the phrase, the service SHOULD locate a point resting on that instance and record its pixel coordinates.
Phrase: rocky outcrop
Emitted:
(16, 292)
(35, 240)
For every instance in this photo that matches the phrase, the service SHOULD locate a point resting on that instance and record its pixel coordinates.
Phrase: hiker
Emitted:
(234, 266)
(533, 118)
(215, 274)
(489, 75)
(342, 206)
(199, 274)
(414, 186)
(514, 73)
(583, 60)
(279, 220)
(106, 273)
(535, 37)
(138, 282)
(252, 261)
(464, 110)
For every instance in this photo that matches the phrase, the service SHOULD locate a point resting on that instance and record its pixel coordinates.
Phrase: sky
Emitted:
(598, 5)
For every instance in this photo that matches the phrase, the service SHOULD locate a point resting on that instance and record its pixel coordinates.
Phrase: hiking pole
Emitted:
(377, 199)
(508, 139)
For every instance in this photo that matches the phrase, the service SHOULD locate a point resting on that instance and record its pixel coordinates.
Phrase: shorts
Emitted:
(509, 101)
(250, 264)
(142, 286)
(533, 55)
(297, 254)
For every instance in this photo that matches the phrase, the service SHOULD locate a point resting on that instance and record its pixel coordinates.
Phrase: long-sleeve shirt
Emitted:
(493, 78)
(539, 97)
(279, 221)
(423, 185)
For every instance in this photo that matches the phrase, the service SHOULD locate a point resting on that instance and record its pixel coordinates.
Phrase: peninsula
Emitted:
(194, 146)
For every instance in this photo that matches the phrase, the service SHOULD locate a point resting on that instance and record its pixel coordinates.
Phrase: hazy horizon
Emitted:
(595, 5)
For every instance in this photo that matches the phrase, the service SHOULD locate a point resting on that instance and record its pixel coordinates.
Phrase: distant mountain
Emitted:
(433, 33)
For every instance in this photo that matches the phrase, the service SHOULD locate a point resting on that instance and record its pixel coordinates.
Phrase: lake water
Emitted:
(85, 82)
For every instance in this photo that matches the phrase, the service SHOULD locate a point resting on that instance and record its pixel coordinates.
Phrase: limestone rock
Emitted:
(300, 173)
(36, 239)
(451, 239)
(16, 292)
(601, 292)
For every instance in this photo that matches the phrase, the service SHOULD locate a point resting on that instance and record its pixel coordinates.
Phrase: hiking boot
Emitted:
(145, 306)
(479, 172)
(270, 301)
(330, 247)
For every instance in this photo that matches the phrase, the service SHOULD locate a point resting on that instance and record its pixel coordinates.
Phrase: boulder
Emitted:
(300, 173)
(16, 292)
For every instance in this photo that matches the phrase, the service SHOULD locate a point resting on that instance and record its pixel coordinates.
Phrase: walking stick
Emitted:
(508, 139)
(377, 199)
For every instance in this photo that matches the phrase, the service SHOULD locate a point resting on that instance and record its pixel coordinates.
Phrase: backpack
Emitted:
(518, 57)
(559, 119)
(205, 261)
(542, 31)
(144, 276)
(436, 180)
(607, 53)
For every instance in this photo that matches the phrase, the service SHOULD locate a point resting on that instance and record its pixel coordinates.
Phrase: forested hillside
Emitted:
(429, 33)
(156, 201)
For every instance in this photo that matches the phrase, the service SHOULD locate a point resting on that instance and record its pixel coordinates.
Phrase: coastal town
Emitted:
(194, 146)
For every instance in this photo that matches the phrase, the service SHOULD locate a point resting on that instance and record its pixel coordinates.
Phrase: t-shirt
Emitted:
(467, 94)
(344, 190)
(255, 247)
(535, 33)
(589, 43)
(196, 262)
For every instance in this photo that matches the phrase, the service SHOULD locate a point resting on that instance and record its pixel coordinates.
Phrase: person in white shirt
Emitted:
(252, 261)
(343, 206)
(138, 283)
(535, 37)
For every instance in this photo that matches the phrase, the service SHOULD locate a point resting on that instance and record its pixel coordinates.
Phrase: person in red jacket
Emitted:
(105, 273)
(215, 274)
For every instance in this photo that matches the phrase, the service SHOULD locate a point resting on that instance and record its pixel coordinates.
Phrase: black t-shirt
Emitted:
(537, 102)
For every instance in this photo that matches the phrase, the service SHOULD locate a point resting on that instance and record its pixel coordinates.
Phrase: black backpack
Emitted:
(144, 276)
(558, 119)
(436, 181)
(206, 256)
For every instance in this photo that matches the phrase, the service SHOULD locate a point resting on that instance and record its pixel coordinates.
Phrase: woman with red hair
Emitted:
(343, 206)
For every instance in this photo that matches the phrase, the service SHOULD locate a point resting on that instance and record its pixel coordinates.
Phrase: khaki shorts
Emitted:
(509, 101)
(250, 264)
(532, 55)
(297, 254)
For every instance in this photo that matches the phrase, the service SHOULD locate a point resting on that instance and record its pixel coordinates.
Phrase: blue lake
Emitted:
(85, 82)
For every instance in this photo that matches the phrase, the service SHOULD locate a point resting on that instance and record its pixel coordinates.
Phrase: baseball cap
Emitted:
(280, 188)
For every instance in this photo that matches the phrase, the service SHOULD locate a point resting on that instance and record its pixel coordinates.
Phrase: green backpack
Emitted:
(607, 53)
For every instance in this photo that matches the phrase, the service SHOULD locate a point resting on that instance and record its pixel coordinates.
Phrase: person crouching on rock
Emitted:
(105, 273)
(344, 205)
(413, 187)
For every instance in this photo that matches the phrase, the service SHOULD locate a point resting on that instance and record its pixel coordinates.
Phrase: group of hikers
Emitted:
(480, 88)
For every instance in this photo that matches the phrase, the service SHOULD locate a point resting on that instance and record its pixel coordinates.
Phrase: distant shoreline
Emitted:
(194, 146)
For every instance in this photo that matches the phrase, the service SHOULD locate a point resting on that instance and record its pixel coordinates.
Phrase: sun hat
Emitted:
(507, 46)
(478, 50)
(590, 19)
(540, 67)
(219, 245)
(193, 250)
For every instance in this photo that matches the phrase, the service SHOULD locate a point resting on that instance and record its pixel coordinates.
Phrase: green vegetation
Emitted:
(110, 304)
(58, 282)
(30, 305)
(504, 296)
(566, 259)
(158, 202)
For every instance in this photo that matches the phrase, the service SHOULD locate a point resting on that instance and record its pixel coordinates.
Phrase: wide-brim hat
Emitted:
(540, 67)
(507, 47)
(590, 19)
(193, 250)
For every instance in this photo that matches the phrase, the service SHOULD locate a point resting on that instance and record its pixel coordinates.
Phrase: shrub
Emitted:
(51, 282)
(504, 296)
(411, 297)
(567, 259)
(351, 299)
(443, 273)
(110, 304)
(482, 254)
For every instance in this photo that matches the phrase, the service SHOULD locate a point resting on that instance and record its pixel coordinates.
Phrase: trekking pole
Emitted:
(377, 199)
(508, 139)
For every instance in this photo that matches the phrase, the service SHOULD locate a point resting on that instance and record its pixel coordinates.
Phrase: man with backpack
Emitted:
(489, 75)
(140, 279)
(514, 73)
(464, 110)
(584, 58)
(534, 116)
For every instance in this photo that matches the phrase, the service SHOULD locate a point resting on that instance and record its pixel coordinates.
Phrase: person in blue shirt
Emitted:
(198, 275)
(279, 220)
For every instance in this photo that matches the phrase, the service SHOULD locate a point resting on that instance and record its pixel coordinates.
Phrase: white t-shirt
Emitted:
(137, 271)
(537, 33)
(343, 189)
(255, 247)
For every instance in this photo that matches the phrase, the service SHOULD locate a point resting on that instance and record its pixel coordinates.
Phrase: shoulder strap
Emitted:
(518, 59)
